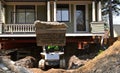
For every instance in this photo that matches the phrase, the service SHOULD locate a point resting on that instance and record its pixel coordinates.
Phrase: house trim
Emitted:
(67, 35)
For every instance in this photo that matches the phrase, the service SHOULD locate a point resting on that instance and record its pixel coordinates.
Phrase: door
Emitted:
(80, 18)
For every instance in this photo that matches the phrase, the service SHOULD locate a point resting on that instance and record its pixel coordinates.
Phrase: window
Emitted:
(63, 12)
(25, 14)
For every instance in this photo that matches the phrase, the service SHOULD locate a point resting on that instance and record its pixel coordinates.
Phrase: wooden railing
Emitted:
(19, 28)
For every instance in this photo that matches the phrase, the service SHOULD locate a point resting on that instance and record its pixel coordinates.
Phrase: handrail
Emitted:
(19, 28)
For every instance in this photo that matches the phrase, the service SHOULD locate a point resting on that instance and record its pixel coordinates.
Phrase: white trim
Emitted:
(99, 11)
(55, 11)
(93, 11)
(67, 35)
(86, 18)
(48, 11)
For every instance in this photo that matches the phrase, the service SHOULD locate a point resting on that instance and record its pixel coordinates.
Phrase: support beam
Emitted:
(99, 11)
(48, 11)
(93, 11)
(55, 11)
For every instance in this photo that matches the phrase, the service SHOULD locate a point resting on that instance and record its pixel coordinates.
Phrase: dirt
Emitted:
(106, 62)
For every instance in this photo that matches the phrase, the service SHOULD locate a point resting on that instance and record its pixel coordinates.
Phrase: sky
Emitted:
(116, 19)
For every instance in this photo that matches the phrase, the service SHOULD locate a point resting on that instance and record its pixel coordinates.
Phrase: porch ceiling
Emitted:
(40, 0)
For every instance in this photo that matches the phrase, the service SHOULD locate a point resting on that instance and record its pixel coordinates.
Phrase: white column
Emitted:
(99, 11)
(93, 11)
(48, 11)
(55, 11)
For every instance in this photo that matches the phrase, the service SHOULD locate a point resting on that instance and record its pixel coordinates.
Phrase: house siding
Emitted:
(9, 9)
(41, 13)
(70, 24)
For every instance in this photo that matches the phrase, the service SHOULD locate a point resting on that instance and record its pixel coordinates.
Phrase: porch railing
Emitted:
(19, 28)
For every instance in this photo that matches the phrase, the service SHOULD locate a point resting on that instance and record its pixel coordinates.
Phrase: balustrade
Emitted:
(19, 28)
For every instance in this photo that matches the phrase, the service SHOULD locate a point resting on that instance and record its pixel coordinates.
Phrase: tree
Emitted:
(111, 7)
(115, 7)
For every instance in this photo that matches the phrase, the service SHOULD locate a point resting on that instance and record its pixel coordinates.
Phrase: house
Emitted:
(17, 29)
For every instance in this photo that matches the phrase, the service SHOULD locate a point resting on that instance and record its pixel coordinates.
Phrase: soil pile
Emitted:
(106, 62)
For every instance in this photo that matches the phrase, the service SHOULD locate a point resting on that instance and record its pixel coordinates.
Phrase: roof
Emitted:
(40, 0)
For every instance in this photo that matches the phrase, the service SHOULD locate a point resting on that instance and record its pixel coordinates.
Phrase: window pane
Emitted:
(65, 15)
(30, 16)
(21, 16)
(59, 15)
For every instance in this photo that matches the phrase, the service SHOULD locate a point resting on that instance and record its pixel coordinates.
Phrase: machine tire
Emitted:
(41, 64)
(62, 63)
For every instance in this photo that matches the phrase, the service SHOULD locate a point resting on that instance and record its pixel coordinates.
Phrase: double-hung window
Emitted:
(63, 12)
(25, 14)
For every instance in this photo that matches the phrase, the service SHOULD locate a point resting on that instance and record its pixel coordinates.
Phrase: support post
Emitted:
(48, 11)
(55, 11)
(93, 11)
(99, 11)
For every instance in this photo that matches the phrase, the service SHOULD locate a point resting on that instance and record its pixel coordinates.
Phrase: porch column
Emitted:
(55, 11)
(99, 11)
(0, 17)
(48, 11)
(93, 11)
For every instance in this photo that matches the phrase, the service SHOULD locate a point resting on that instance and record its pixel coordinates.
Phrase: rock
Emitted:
(8, 66)
(75, 62)
(27, 62)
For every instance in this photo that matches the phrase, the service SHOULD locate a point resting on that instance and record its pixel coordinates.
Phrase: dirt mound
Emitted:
(106, 62)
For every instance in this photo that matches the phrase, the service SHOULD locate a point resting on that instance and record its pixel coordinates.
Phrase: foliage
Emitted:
(100, 51)
(115, 7)
(53, 47)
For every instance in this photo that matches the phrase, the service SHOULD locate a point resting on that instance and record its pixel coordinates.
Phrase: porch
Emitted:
(28, 30)
(17, 17)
